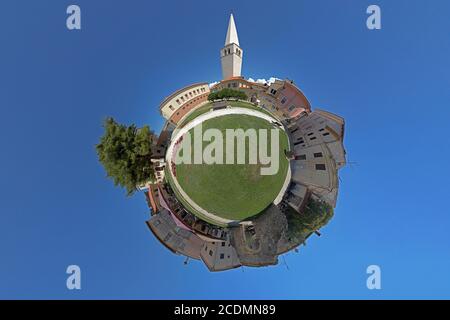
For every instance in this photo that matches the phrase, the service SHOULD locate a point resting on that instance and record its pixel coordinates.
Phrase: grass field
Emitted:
(186, 203)
(234, 191)
(205, 108)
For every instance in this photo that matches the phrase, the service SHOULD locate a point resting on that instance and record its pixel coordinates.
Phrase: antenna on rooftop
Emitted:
(352, 163)
(284, 260)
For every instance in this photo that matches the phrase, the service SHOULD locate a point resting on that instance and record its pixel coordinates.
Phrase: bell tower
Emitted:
(231, 53)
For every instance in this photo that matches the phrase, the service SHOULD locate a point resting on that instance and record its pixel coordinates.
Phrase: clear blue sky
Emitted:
(57, 208)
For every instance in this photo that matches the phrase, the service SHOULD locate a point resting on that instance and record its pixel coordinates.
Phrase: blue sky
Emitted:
(57, 208)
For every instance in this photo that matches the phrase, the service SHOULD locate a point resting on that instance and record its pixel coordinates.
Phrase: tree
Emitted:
(227, 93)
(125, 153)
(315, 215)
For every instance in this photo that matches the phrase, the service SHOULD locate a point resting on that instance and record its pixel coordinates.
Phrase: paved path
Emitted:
(206, 116)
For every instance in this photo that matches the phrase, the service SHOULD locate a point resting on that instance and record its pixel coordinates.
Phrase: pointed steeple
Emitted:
(231, 54)
(232, 36)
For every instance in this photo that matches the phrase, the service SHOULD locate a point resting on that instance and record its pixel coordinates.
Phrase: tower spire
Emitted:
(232, 36)
(231, 53)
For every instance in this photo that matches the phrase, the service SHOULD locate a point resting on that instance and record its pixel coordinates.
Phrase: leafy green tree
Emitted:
(314, 216)
(297, 231)
(125, 153)
(227, 93)
(212, 96)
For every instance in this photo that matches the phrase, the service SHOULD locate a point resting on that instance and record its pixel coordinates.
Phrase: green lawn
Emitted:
(186, 204)
(234, 191)
(205, 108)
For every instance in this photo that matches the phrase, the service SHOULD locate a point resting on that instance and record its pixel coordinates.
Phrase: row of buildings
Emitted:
(317, 153)
(281, 97)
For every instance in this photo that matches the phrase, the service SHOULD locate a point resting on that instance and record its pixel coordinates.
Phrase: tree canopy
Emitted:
(125, 153)
(227, 93)
(314, 216)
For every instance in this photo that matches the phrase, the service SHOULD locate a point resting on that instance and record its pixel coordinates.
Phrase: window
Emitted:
(291, 108)
(320, 166)
(318, 155)
(283, 101)
(178, 101)
(313, 138)
(223, 244)
(300, 157)
(171, 108)
(167, 237)
(326, 134)
(222, 256)
(210, 253)
(310, 134)
(273, 91)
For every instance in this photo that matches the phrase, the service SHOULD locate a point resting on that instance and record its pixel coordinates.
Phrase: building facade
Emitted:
(179, 103)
